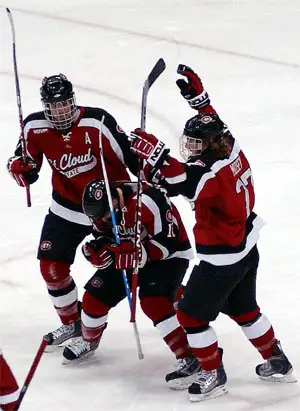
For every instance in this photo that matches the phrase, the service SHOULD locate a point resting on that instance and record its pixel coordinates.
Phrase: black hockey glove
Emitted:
(192, 89)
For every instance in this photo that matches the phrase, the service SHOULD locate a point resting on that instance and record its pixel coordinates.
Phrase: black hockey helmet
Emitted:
(59, 101)
(202, 127)
(95, 200)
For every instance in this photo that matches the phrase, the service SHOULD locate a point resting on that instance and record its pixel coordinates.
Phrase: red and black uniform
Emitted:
(74, 158)
(9, 390)
(168, 254)
(221, 193)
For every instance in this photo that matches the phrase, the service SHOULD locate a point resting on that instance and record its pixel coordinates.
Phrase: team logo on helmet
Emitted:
(98, 194)
(206, 119)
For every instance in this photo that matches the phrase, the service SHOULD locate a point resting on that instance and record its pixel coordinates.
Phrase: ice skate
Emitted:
(61, 335)
(79, 351)
(185, 373)
(277, 368)
(208, 384)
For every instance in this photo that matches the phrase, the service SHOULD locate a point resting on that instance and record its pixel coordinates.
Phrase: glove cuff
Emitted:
(156, 154)
(200, 101)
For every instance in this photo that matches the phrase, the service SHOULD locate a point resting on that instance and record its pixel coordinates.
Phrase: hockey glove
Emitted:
(192, 89)
(97, 252)
(124, 255)
(148, 147)
(24, 173)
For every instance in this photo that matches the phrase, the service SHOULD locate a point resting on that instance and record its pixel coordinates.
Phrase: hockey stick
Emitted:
(31, 372)
(18, 93)
(117, 238)
(153, 76)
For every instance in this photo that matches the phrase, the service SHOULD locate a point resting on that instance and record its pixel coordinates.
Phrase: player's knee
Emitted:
(93, 306)
(157, 307)
(191, 324)
(54, 272)
(247, 318)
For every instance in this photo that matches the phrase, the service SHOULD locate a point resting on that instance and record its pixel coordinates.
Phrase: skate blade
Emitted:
(287, 378)
(216, 392)
(65, 361)
(182, 383)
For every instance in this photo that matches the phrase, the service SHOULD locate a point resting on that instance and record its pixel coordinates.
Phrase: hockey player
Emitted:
(9, 390)
(165, 256)
(67, 135)
(217, 180)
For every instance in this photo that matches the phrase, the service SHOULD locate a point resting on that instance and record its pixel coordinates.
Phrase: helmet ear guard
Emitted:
(59, 101)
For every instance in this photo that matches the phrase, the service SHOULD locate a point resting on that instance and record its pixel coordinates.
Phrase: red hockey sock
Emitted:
(93, 317)
(9, 392)
(161, 311)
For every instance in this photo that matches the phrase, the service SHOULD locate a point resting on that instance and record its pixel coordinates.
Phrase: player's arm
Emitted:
(191, 88)
(176, 177)
(26, 172)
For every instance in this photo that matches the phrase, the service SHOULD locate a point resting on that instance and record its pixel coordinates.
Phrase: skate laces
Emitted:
(79, 347)
(205, 378)
(181, 364)
(62, 330)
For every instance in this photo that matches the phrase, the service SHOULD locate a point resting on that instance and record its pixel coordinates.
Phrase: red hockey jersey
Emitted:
(75, 157)
(222, 195)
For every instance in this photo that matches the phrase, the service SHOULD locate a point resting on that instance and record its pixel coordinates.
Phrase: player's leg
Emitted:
(159, 281)
(256, 326)
(58, 244)
(103, 291)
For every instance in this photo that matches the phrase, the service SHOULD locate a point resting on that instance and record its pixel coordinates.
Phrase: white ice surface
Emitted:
(247, 53)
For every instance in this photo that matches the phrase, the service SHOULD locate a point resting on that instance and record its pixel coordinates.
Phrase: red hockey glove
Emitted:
(148, 147)
(97, 252)
(124, 255)
(192, 89)
(24, 173)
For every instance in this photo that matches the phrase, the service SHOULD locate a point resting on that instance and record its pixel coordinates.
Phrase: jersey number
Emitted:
(242, 183)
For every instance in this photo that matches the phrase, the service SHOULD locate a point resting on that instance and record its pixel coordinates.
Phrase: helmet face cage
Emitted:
(59, 102)
(190, 146)
(199, 130)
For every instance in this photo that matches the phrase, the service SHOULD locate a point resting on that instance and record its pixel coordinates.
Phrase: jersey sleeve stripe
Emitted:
(163, 249)
(177, 179)
(149, 203)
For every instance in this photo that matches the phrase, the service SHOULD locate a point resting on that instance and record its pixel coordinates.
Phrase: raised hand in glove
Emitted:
(97, 252)
(148, 147)
(24, 172)
(124, 255)
(192, 89)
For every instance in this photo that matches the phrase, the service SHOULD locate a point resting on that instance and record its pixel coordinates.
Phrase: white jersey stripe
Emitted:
(228, 259)
(69, 215)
